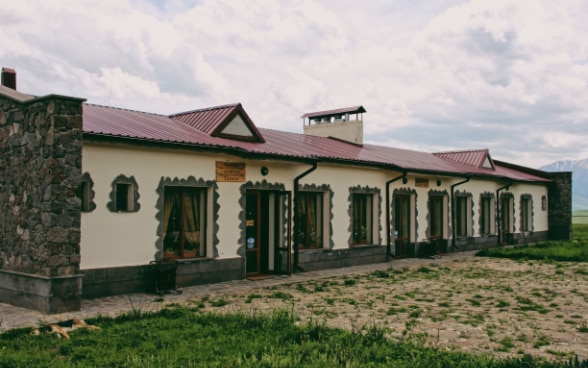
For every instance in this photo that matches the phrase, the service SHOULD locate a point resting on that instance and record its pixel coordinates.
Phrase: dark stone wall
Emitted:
(40, 172)
(102, 282)
(484, 242)
(560, 206)
(320, 259)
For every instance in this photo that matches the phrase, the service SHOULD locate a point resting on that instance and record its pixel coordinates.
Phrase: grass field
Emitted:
(528, 310)
(182, 337)
(565, 251)
(580, 217)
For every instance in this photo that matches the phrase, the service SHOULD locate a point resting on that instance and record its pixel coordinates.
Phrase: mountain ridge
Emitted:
(579, 169)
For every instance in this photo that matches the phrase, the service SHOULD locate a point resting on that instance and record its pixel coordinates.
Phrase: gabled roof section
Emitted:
(345, 110)
(477, 158)
(226, 121)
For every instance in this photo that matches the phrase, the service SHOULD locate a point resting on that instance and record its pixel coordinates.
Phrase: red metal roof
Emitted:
(117, 122)
(208, 119)
(351, 110)
(474, 158)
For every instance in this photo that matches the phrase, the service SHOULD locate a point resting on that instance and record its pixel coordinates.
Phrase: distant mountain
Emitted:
(579, 171)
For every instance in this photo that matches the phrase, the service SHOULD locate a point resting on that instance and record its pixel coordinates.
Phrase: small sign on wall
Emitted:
(230, 171)
(421, 182)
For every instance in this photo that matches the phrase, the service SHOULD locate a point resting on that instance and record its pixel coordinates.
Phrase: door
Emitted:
(507, 218)
(267, 230)
(253, 232)
(402, 225)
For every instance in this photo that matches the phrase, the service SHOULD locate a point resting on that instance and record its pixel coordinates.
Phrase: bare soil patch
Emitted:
(477, 305)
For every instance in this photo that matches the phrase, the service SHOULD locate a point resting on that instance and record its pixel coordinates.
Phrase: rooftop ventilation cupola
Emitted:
(345, 124)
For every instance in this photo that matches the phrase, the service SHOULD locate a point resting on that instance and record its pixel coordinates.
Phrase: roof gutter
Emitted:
(498, 216)
(235, 151)
(296, 222)
(388, 224)
(453, 210)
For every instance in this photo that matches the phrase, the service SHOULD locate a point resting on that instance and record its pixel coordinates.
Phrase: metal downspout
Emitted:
(453, 211)
(388, 237)
(296, 223)
(498, 215)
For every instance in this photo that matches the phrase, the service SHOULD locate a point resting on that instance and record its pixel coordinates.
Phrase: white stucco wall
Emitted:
(124, 239)
(112, 239)
(340, 179)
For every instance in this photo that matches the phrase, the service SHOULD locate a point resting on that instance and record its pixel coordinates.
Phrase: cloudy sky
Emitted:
(434, 75)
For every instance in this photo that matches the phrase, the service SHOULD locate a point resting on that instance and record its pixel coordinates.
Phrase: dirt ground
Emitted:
(481, 305)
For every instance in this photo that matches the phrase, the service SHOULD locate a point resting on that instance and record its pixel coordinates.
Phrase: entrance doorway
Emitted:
(402, 225)
(507, 218)
(267, 232)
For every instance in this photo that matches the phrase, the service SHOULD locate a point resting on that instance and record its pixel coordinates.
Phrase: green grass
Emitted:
(179, 337)
(563, 251)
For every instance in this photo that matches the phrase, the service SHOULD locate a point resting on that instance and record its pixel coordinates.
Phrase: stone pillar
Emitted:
(560, 206)
(40, 172)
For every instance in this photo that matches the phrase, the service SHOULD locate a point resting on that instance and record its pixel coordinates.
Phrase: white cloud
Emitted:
(450, 74)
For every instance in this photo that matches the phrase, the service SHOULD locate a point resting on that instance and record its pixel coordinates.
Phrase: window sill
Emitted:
(310, 249)
(364, 245)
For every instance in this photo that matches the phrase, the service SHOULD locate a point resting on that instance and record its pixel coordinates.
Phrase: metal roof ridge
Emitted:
(462, 151)
(125, 109)
(205, 109)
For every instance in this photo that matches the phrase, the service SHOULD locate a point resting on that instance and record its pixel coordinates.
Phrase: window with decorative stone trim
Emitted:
(187, 212)
(463, 214)
(184, 222)
(363, 222)
(437, 215)
(124, 196)
(310, 217)
(364, 213)
(487, 214)
(526, 213)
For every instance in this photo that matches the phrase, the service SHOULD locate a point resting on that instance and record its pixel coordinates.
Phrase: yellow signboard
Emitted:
(230, 171)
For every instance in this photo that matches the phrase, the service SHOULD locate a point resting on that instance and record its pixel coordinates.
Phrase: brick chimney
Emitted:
(8, 78)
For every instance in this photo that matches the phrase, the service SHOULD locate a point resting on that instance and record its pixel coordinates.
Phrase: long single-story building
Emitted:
(91, 196)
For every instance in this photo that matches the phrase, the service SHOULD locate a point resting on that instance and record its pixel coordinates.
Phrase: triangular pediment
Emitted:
(237, 125)
(226, 121)
(488, 164)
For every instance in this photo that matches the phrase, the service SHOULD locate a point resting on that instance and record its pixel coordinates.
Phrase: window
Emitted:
(507, 213)
(184, 222)
(362, 218)
(87, 193)
(486, 215)
(526, 213)
(124, 196)
(310, 217)
(436, 217)
(461, 216)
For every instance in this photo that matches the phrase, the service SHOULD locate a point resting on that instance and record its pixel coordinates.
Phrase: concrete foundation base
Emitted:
(46, 294)
(320, 259)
